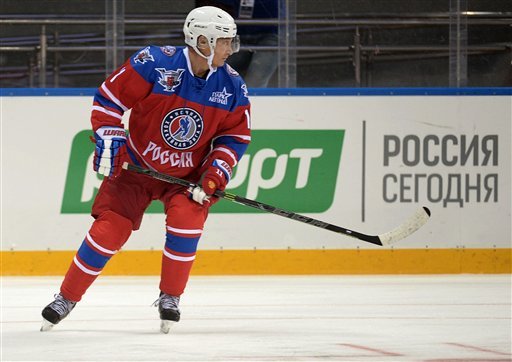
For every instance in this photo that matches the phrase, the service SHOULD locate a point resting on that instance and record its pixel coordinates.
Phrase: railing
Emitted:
(54, 44)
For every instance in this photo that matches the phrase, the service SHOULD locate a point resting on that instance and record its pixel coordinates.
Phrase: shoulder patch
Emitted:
(244, 90)
(231, 71)
(143, 56)
(168, 50)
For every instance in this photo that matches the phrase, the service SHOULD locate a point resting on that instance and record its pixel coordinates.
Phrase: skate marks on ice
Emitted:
(296, 318)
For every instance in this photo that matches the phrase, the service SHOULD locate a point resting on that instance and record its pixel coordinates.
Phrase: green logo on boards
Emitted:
(82, 182)
(292, 169)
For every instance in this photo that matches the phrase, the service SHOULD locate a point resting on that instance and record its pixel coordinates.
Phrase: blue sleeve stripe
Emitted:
(105, 102)
(233, 144)
(181, 244)
(91, 257)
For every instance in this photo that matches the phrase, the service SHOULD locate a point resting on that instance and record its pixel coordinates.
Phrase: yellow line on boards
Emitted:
(275, 262)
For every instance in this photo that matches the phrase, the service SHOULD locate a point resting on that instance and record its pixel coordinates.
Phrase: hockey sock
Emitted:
(108, 233)
(177, 259)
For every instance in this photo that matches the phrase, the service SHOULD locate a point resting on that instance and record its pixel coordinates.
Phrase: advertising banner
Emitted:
(361, 162)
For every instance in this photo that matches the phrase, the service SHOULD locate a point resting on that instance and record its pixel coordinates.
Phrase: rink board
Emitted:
(279, 262)
(361, 159)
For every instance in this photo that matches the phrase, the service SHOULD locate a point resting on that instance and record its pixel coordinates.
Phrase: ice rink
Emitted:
(271, 318)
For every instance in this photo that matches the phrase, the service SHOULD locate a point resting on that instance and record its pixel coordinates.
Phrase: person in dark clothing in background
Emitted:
(256, 66)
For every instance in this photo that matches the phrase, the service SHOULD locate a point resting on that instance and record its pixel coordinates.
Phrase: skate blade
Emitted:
(165, 326)
(46, 326)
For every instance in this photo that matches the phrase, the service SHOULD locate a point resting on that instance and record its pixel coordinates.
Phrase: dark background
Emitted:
(419, 56)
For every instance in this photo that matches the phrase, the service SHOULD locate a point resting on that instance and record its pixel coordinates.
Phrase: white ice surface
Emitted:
(274, 318)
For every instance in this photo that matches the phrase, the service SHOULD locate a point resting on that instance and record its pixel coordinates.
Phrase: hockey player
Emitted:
(190, 118)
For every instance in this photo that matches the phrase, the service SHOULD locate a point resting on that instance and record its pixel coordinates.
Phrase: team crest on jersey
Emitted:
(220, 97)
(181, 128)
(168, 50)
(170, 79)
(143, 56)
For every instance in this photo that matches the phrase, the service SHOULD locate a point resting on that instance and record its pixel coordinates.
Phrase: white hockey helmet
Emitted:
(211, 22)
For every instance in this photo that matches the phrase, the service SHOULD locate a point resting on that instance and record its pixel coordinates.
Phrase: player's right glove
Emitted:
(110, 147)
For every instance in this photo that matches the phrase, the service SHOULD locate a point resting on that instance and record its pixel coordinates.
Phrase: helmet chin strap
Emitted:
(209, 59)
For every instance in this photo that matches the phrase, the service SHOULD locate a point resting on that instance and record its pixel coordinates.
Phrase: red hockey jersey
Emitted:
(177, 120)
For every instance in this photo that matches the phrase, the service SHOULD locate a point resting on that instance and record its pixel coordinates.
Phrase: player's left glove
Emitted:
(110, 147)
(216, 177)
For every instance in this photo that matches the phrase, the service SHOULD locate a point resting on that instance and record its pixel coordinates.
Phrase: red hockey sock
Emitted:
(177, 259)
(108, 233)
(175, 275)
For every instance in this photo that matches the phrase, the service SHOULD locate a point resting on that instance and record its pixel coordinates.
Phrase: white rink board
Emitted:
(37, 134)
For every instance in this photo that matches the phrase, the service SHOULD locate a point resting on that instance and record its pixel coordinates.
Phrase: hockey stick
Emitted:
(417, 220)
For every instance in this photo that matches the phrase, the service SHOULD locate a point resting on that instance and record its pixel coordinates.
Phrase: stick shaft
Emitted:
(373, 239)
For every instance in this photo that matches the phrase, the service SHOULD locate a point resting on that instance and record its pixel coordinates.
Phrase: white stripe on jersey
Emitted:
(246, 138)
(228, 152)
(106, 111)
(113, 98)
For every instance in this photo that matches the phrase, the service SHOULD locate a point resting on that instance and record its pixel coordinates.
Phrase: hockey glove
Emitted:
(110, 147)
(215, 178)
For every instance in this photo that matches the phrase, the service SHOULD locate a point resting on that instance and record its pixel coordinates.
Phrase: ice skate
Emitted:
(169, 311)
(56, 311)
